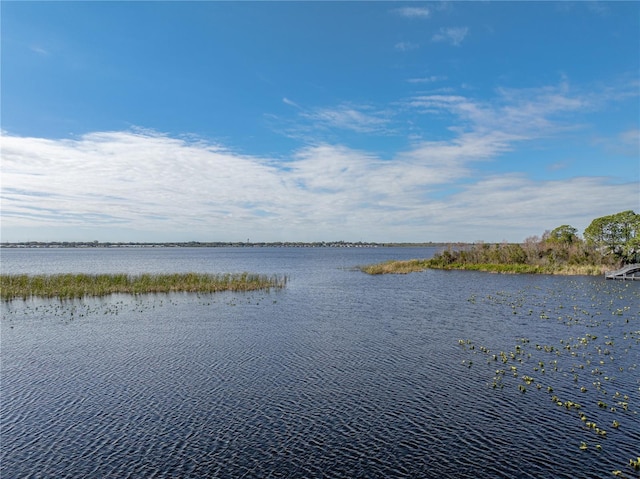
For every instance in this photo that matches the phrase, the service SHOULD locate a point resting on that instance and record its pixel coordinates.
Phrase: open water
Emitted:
(339, 375)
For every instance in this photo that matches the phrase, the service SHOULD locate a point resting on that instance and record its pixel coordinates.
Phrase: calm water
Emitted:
(338, 375)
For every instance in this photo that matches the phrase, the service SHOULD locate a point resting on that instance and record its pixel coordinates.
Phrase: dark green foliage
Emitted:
(564, 234)
(617, 235)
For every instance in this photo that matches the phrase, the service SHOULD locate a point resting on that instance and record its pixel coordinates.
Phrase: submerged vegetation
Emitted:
(79, 285)
(609, 242)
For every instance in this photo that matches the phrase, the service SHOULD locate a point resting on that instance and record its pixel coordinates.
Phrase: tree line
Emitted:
(612, 240)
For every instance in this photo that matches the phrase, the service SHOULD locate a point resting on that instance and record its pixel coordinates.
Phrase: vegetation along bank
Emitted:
(607, 243)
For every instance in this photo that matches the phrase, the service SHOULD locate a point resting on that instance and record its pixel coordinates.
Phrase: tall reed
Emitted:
(79, 285)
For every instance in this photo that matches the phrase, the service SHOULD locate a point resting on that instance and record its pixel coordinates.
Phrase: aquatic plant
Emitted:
(593, 355)
(79, 285)
(397, 267)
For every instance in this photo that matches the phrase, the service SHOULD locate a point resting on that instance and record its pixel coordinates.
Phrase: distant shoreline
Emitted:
(219, 244)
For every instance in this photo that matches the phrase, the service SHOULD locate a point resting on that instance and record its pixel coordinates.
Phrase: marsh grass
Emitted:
(519, 268)
(397, 267)
(414, 265)
(79, 285)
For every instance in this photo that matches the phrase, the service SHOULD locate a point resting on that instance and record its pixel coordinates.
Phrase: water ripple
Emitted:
(366, 380)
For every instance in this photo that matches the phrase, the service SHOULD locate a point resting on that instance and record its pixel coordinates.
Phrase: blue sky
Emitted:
(312, 121)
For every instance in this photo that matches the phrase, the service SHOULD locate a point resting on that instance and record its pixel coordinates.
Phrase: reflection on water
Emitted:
(339, 375)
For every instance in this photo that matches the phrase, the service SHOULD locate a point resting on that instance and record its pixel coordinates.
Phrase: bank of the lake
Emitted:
(558, 252)
(415, 265)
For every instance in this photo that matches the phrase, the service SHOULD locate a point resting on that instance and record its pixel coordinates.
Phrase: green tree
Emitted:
(617, 234)
(564, 234)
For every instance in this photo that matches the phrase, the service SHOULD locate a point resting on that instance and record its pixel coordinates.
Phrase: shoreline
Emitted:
(417, 265)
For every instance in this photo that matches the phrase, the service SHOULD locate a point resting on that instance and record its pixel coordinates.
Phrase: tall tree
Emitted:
(564, 234)
(617, 234)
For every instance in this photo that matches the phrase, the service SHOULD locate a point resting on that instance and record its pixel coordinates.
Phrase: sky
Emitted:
(316, 121)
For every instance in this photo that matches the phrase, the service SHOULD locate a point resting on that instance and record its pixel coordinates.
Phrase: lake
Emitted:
(339, 375)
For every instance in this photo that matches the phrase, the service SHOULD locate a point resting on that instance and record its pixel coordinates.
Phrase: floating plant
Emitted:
(572, 359)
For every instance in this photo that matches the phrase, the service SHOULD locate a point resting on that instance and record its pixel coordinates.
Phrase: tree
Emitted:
(563, 234)
(617, 234)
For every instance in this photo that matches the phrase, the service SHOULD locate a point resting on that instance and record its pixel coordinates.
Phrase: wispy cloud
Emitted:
(316, 125)
(626, 143)
(453, 35)
(406, 46)
(286, 101)
(524, 113)
(511, 202)
(560, 165)
(39, 50)
(599, 8)
(152, 183)
(429, 79)
(413, 12)
(357, 118)
(631, 137)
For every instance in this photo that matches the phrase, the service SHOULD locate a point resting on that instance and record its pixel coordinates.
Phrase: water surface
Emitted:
(341, 374)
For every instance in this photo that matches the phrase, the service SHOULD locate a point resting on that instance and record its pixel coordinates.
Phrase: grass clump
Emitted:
(414, 265)
(513, 268)
(80, 285)
(397, 267)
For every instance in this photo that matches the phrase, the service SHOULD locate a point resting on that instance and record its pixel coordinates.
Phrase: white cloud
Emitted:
(453, 35)
(157, 187)
(630, 137)
(348, 117)
(163, 188)
(511, 203)
(557, 166)
(286, 101)
(429, 79)
(413, 12)
(406, 46)
(626, 143)
(39, 50)
(599, 8)
(520, 114)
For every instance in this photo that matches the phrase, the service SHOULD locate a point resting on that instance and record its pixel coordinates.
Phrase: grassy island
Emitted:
(79, 285)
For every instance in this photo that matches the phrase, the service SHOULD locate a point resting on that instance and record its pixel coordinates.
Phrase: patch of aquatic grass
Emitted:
(585, 270)
(397, 267)
(413, 265)
(492, 267)
(79, 285)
